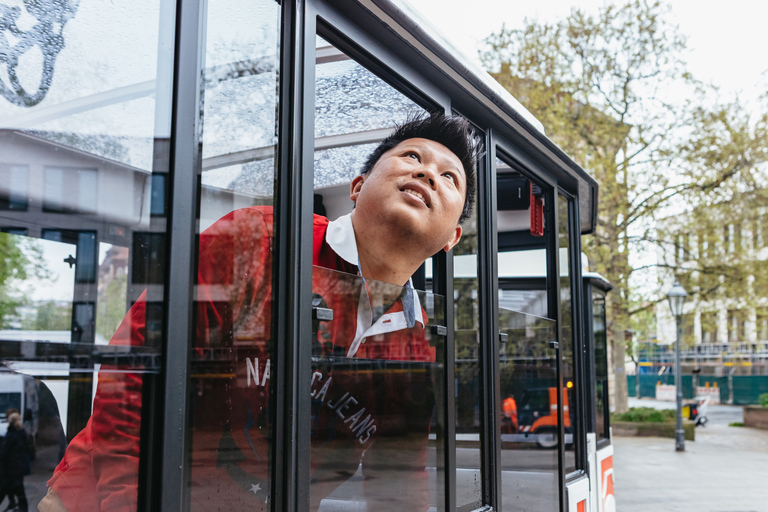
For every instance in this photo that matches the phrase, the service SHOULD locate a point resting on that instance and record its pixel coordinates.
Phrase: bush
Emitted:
(646, 415)
(763, 399)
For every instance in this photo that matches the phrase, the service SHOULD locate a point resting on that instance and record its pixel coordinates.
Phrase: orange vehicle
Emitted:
(538, 415)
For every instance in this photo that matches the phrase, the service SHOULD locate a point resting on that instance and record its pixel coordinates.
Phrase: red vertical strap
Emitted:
(581, 506)
(537, 214)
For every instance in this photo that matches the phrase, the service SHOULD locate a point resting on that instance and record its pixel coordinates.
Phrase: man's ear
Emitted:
(454, 239)
(354, 187)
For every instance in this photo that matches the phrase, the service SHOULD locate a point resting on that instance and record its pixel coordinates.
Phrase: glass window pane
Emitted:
(232, 352)
(467, 371)
(529, 439)
(601, 364)
(567, 340)
(527, 362)
(373, 396)
(376, 416)
(84, 125)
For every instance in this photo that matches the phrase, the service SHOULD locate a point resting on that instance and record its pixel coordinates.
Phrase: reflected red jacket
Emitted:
(372, 397)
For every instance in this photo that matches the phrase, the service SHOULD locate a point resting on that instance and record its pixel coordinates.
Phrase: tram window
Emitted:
(467, 370)
(601, 364)
(85, 127)
(567, 340)
(232, 353)
(527, 363)
(375, 374)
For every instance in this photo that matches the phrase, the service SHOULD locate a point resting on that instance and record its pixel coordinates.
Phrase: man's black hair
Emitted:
(453, 132)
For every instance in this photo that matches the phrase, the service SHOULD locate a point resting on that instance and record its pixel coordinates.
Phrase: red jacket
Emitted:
(372, 397)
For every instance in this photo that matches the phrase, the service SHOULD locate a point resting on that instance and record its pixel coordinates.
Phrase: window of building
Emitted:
(737, 325)
(761, 326)
(70, 190)
(13, 187)
(704, 245)
(728, 238)
(709, 322)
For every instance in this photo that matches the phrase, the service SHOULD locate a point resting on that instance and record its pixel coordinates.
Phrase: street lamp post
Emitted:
(676, 297)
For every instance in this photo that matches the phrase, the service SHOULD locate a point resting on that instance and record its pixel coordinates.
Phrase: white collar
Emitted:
(340, 235)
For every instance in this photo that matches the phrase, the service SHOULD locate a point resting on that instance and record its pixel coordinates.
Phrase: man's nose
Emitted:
(428, 173)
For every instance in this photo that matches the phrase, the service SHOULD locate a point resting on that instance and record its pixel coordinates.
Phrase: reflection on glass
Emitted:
(354, 111)
(373, 395)
(467, 370)
(352, 100)
(601, 364)
(567, 340)
(527, 364)
(84, 129)
(528, 383)
(231, 357)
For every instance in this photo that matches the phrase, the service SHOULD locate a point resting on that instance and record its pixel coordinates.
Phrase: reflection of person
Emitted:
(509, 407)
(415, 189)
(4, 484)
(14, 457)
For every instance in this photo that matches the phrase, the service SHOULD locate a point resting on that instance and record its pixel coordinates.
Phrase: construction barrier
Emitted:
(712, 393)
(666, 392)
(648, 384)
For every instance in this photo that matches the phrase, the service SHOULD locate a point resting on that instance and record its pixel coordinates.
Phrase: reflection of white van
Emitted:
(20, 392)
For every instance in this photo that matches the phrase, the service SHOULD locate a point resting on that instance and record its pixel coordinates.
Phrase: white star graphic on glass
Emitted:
(255, 488)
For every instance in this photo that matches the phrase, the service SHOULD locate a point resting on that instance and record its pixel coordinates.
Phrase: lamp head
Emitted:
(676, 297)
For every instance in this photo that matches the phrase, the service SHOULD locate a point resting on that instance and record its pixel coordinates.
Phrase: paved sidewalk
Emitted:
(724, 470)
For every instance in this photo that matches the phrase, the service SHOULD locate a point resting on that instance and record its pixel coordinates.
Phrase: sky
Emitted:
(726, 46)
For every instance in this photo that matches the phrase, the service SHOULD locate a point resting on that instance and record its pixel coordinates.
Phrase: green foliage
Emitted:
(50, 317)
(763, 399)
(736, 424)
(20, 258)
(112, 306)
(646, 415)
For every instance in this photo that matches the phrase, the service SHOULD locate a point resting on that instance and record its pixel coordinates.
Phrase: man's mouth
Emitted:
(416, 194)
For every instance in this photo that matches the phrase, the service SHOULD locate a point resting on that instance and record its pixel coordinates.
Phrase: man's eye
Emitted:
(413, 155)
(450, 176)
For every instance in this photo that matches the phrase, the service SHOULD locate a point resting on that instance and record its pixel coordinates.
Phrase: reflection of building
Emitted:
(47, 184)
(115, 264)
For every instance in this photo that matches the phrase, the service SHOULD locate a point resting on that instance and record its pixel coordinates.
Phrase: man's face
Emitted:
(418, 187)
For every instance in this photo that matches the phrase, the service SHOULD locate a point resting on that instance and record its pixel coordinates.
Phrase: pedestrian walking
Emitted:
(15, 462)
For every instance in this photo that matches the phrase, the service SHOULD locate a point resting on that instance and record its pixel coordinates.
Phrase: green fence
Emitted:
(746, 388)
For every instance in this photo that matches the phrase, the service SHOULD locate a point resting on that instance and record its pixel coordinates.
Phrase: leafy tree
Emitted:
(597, 84)
(613, 92)
(19, 258)
(50, 317)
